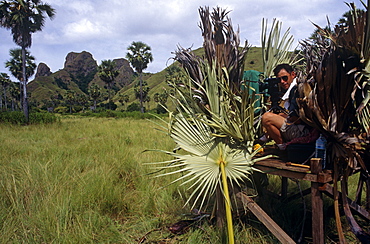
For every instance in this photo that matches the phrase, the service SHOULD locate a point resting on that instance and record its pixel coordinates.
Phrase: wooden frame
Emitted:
(320, 183)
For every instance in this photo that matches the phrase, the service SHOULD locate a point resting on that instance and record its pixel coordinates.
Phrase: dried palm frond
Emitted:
(335, 97)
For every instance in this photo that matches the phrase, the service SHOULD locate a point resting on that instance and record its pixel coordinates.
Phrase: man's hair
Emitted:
(287, 67)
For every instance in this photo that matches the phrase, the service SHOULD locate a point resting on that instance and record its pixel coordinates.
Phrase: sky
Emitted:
(106, 28)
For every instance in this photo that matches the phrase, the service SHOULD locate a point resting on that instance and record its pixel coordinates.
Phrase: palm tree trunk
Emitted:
(141, 93)
(5, 102)
(1, 103)
(25, 100)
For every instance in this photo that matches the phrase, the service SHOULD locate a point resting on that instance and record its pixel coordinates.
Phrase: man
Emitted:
(285, 127)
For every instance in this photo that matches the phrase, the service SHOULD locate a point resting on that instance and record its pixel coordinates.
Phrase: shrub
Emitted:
(61, 110)
(42, 118)
(133, 107)
(17, 117)
(12, 117)
(160, 109)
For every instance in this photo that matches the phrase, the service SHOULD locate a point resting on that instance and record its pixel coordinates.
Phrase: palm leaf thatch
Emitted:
(335, 100)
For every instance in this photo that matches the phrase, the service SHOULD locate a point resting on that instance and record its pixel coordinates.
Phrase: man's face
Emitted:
(285, 78)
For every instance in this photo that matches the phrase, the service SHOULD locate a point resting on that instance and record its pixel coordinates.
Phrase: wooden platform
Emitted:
(320, 183)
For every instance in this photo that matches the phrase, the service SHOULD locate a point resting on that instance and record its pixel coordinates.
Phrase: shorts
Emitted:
(289, 131)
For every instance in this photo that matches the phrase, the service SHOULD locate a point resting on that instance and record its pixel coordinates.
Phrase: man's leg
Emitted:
(272, 123)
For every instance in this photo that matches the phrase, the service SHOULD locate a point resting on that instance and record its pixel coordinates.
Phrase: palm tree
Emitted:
(24, 17)
(70, 98)
(14, 92)
(139, 56)
(94, 92)
(4, 81)
(141, 90)
(107, 72)
(15, 64)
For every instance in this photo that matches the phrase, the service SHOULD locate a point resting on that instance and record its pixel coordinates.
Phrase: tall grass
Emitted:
(84, 180)
(80, 180)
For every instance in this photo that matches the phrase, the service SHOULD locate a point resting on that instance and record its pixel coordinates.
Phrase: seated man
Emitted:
(285, 127)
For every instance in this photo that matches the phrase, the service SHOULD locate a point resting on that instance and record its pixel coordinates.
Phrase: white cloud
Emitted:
(107, 27)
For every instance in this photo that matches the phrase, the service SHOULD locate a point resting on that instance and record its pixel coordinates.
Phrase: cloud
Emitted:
(106, 28)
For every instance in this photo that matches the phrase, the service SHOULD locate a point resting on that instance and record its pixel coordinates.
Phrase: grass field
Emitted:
(83, 180)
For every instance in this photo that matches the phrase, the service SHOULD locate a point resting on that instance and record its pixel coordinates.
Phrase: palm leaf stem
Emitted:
(229, 219)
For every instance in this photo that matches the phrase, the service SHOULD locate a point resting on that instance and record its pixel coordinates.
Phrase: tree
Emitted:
(123, 99)
(139, 56)
(70, 98)
(107, 72)
(141, 90)
(15, 64)
(94, 92)
(4, 81)
(14, 92)
(24, 17)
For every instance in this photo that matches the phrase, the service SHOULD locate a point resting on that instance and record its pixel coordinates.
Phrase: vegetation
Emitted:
(139, 56)
(15, 64)
(107, 73)
(18, 118)
(85, 180)
(214, 121)
(335, 100)
(24, 17)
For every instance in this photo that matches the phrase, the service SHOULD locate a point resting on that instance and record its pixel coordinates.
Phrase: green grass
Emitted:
(83, 180)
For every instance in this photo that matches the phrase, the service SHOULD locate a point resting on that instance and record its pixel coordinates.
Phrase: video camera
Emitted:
(270, 87)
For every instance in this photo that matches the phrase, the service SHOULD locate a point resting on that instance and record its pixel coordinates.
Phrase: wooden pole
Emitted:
(317, 205)
(265, 219)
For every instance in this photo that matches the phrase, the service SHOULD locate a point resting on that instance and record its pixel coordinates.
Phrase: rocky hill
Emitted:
(78, 73)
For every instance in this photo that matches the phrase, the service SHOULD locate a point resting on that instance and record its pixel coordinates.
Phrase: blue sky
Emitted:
(106, 28)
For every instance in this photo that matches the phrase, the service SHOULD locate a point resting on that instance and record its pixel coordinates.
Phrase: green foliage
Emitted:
(83, 81)
(15, 63)
(161, 109)
(61, 110)
(43, 118)
(13, 117)
(80, 181)
(133, 107)
(110, 105)
(118, 114)
(60, 83)
(17, 117)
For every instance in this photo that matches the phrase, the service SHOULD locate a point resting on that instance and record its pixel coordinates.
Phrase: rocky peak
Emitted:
(42, 70)
(80, 63)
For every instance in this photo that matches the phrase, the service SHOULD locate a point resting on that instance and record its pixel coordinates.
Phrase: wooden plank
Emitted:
(286, 173)
(265, 219)
(279, 164)
(278, 167)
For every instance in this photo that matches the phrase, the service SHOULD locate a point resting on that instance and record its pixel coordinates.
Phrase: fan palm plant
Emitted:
(214, 118)
(335, 100)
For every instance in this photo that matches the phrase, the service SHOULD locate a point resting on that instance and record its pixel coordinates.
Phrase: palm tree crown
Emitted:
(15, 64)
(24, 17)
(139, 56)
